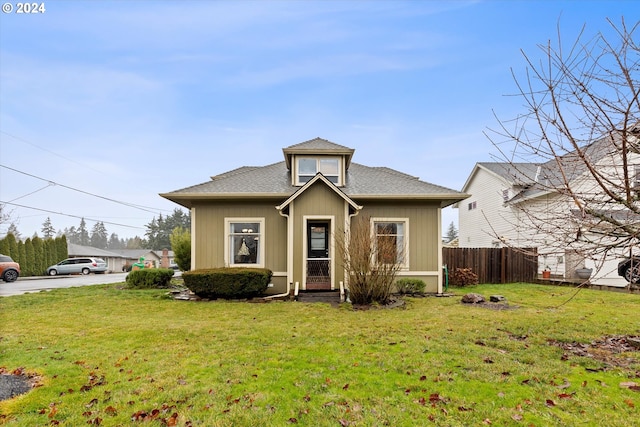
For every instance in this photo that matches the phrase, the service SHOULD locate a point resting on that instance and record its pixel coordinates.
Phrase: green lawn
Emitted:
(115, 357)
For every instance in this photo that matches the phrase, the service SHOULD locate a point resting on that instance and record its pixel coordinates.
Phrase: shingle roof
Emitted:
(318, 144)
(274, 181)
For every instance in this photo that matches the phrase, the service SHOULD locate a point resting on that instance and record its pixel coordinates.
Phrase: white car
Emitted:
(78, 266)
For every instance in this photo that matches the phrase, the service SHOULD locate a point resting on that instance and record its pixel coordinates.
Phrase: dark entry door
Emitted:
(318, 261)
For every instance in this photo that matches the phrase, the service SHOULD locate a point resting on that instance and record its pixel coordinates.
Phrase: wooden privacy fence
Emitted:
(494, 265)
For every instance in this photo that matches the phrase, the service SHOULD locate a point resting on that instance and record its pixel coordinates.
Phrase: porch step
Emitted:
(331, 297)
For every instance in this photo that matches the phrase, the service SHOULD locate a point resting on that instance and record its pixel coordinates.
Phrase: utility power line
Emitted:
(131, 205)
(72, 216)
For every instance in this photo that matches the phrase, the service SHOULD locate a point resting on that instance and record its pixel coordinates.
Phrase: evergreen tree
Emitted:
(72, 235)
(28, 268)
(159, 231)
(62, 251)
(83, 234)
(22, 253)
(51, 251)
(48, 231)
(452, 232)
(99, 235)
(40, 258)
(114, 242)
(13, 229)
(12, 246)
(135, 243)
(4, 246)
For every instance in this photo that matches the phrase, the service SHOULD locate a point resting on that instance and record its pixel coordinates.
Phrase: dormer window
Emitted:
(308, 167)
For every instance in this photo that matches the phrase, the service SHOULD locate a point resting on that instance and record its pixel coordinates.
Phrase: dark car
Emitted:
(78, 266)
(629, 268)
(9, 269)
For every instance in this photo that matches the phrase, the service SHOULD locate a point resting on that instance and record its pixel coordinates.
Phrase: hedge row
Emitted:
(149, 278)
(228, 283)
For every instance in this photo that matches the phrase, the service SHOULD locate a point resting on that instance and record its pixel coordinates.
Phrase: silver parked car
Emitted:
(78, 266)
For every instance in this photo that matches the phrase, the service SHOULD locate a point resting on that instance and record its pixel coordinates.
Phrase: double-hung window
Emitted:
(390, 239)
(244, 243)
(308, 167)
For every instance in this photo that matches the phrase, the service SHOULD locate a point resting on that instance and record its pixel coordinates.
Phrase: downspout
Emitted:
(446, 277)
(344, 290)
(286, 294)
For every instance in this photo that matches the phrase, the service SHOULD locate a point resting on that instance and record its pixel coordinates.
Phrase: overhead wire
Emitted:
(53, 183)
(132, 205)
(72, 216)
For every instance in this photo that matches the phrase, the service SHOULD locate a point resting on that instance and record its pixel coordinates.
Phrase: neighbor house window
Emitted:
(308, 167)
(472, 206)
(244, 244)
(390, 241)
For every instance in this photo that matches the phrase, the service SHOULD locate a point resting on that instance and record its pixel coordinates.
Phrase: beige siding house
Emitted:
(287, 216)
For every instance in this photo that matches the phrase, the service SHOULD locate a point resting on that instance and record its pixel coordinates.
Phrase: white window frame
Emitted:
(318, 160)
(404, 265)
(229, 258)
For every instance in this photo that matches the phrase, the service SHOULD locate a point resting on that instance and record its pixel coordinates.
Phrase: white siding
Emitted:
(492, 223)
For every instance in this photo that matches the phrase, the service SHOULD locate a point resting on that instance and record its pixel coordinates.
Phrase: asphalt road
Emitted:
(36, 284)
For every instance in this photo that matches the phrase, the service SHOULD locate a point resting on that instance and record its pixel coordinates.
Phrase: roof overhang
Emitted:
(189, 199)
(443, 200)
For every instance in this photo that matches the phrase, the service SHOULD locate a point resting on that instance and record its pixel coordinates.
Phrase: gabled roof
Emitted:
(537, 179)
(274, 182)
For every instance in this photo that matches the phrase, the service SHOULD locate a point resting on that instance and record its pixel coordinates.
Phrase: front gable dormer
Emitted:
(318, 155)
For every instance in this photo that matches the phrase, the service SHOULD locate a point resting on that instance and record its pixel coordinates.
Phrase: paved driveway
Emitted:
(36, 284)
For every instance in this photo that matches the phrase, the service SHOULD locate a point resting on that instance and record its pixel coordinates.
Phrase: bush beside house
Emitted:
(228, 283)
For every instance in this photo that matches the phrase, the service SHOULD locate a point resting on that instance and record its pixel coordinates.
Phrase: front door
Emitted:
(318, 261)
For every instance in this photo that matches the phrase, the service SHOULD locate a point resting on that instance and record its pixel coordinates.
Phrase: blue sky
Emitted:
(128, 99)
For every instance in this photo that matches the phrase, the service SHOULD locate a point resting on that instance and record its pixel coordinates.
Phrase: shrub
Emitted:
(370, 262)
(228, 283)
(149, 278)
(181, 245)
(464, 277)
(410, 286)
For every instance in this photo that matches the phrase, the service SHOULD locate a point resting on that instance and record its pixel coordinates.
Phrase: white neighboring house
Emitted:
(505, 197)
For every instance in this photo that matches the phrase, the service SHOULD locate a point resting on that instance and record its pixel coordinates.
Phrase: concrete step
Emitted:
(331, 297)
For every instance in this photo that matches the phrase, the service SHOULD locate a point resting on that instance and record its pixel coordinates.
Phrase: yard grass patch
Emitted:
(129, 356)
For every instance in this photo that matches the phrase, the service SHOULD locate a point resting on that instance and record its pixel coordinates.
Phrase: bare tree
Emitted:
(574, 152)
(371, 260)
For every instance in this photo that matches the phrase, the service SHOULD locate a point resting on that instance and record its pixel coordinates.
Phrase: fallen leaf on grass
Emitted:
(550, 403)
(630, 385)
(517, 417)
(630, 403)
